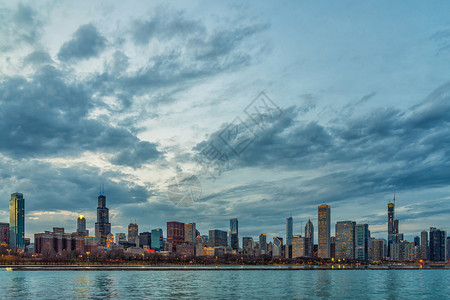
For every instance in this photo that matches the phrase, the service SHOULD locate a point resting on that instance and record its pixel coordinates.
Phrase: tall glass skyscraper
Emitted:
(234, 234)
(17, 221)
(324, 216)
(81, 225)
(309, 239)
(289, 230)
(157, 239)
(437, 244)
(263, 243)
(102, 226)
(362, 241)
(391, 208)
(345, 240)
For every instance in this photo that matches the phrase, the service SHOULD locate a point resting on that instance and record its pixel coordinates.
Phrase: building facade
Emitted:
(324, 219)
(234, 234)
(190, 232)
(309, 239)
(217, 238)
(362, 241)
(4, 234)
(157, 239)
(263, 243)
(133, 232)
(289, 230)
(81, 226)
(175, 234)
(102, 226)
(298, 246)
(437, 244)
(277, 246)
(17, 221)
(345, 240)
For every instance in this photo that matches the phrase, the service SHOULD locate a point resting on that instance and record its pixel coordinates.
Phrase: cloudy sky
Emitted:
(356, 107)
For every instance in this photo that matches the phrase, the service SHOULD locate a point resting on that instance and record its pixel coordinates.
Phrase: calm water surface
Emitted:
(362, 284)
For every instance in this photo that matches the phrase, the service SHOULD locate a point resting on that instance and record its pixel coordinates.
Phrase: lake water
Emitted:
(298, 284)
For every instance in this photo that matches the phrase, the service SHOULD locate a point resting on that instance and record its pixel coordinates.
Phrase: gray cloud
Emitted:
(48, 116)
(86, 42)
(38, 57)
(18, 27)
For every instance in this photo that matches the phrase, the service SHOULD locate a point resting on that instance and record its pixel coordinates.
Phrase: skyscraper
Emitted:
(17, 221)
(81, 225)
(392, 227)
(277, 246)
(345, 240)
(309, 239)
(362, 241)
(289, 230)
(133, 232)
(424, 245)
(4, 233)
(298, 246)
(437, 244)
(157, 239)
(190, 232)
(121, 237)
(217, 238)
(175, 234)
(324, 231)
(234, 234)
(263, 243)
(102, 226)
(145, 239)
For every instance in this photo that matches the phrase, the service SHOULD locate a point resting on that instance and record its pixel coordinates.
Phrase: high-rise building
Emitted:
(4, 233)
(133, 232)
(277, 246)
(309, 239)
(378, 249)
(175, 234)
(234, 234)
(81, 226)
(263, 243)
(298, 246)
(217, 238)
(289, 230)
(333, 247)
(324, 219)
(17, 221)
(145, 239)
(157, 239)
(121, 237)
(416, 241)
(102, 226)
(437, 244)
(448, 249)
(190, 232)
(345, 240)
(247, 245)
(362, 241)
(392, 228)
(424, 250)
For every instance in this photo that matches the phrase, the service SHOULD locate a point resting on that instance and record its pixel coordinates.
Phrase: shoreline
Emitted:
(212, 268)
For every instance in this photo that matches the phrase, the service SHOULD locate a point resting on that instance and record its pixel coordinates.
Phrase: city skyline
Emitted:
(188, 230)
(130, 95)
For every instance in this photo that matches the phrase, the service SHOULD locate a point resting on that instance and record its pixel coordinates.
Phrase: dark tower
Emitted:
(102, 226)
(391, 225)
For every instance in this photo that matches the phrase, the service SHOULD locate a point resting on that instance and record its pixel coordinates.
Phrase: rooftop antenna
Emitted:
(394, 199)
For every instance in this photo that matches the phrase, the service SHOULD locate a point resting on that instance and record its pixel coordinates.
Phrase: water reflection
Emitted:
(323, 283)
(104, 285)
